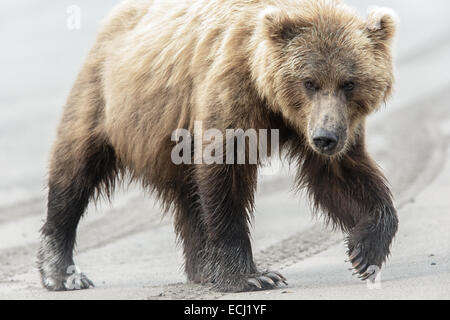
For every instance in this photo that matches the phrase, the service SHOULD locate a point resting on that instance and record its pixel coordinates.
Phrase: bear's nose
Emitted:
(326, 141)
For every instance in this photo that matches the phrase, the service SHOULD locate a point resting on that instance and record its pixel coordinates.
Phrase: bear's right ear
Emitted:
(278, 26)
(382, 24)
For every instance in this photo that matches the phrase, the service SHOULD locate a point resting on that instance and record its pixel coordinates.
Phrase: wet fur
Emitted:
(160, 66)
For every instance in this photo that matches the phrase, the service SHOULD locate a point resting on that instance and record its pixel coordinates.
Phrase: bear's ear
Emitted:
(278, 26)
(382, 24)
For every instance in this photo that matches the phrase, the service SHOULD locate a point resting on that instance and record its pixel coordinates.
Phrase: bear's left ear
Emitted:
(278, 26)
(382, 24)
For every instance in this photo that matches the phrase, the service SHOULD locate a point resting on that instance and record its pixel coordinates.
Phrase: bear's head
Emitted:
(324, 69)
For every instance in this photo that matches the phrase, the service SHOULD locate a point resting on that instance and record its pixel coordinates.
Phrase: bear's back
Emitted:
(159, 71)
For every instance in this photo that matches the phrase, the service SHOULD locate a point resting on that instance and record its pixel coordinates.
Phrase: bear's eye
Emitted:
(348, 86)
(311, 86)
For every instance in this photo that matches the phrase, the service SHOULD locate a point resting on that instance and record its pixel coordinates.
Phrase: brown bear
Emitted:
(312, 69)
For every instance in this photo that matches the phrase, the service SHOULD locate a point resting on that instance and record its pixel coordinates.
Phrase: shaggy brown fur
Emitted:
(298, 66)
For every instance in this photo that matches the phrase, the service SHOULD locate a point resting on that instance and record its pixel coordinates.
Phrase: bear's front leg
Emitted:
(354, 194)
(226, 197)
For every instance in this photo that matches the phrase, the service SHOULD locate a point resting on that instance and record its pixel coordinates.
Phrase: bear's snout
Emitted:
(328, 125)
(325, 141)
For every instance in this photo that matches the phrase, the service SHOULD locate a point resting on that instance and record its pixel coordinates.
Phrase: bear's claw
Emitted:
(76, 281)
(266, 280)
(367, 275)
(360, 264)
(354, 254)
(85, 282)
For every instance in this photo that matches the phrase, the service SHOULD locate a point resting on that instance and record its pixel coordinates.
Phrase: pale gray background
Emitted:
(129, 250)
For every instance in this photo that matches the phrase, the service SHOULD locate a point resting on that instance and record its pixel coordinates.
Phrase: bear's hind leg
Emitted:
(78, 169)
